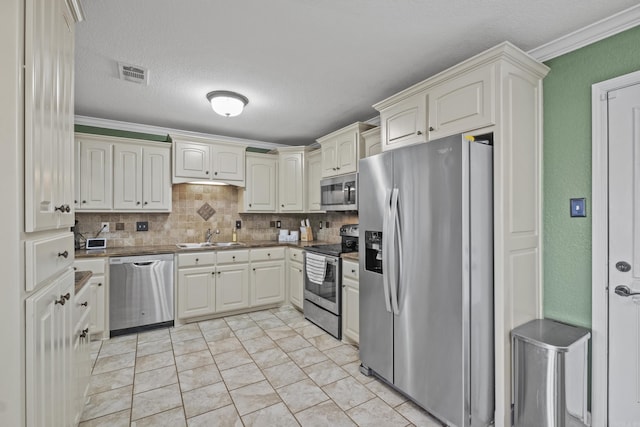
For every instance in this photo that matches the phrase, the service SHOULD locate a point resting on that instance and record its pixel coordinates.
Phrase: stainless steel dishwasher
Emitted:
(140, 293)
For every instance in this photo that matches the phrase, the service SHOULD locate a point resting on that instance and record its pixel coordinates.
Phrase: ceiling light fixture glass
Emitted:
(227, 103)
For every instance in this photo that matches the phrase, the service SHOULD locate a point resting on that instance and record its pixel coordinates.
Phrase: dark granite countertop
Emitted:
(171, 249)
(82, 277)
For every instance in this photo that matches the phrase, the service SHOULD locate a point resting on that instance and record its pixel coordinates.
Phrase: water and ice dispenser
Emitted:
(373, 251)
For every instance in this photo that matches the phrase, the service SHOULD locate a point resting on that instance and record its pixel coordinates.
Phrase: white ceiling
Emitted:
(308, 67)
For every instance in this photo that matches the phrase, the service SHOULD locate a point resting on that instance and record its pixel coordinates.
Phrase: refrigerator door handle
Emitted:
(386, 249)
(394, 226)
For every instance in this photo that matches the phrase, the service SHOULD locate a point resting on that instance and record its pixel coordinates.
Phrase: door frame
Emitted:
(600, 243)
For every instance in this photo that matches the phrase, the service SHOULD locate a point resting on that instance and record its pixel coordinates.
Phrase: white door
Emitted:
(624, 257)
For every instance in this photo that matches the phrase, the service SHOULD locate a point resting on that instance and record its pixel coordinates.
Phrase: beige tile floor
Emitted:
(267, 368)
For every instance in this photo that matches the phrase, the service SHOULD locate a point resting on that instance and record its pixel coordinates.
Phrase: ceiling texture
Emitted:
(308, 67)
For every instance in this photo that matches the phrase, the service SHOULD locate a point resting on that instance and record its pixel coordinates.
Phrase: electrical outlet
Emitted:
(320, 225)
(105, 227)
(238, 224)
(142, 226)
(278, 224)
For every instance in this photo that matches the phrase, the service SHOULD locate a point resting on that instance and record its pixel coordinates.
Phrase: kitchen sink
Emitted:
(207, 245)
(194, 245)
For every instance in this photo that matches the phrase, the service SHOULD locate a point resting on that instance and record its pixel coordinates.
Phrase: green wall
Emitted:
(567, 169)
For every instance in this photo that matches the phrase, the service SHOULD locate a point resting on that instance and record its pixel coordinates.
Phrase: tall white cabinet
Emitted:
(49, 381)
(498, 91)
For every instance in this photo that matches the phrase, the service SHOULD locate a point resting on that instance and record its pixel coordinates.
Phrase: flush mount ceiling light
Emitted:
(226, 103)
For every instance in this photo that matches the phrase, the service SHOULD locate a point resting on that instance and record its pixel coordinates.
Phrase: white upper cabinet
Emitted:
(141, 177)
(202, 159)
(260, 192)
(122, 174)
(372, 142)
(48, 115)
(313, 177)
(291, 180)
(404, 122)
(342, 149)
(95, 172)
(463, 103)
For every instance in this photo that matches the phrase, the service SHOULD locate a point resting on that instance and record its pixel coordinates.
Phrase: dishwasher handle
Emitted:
(142, 264)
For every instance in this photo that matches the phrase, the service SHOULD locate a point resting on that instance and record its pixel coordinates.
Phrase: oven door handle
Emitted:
(386, 252)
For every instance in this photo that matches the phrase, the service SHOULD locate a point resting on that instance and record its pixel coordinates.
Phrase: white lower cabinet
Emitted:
(295, 277)
(82, 310)
(267, 282)
(196, 292)
(350, 301)
(97, 294)
(50, 379)
(232, 287)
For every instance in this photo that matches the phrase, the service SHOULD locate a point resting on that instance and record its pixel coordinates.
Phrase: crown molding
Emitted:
(597, 31)
(157, 130)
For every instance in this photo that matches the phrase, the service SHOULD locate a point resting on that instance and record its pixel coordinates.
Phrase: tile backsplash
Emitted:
(184, 224)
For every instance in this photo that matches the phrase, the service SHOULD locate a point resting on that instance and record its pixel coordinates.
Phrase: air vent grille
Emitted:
(133, 73)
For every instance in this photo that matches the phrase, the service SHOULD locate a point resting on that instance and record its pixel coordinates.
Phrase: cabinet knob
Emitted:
(249, 204)
(146, 203)
(419, 132)
(353, 271)
(84, 201)
(300, 270)
(213, 273)
(206, 173)
(268, 254)
(137, 203)
(254, 269)
(59, 208)
(219, 273)
(61, 301)
(282, 206)
(233, 257)
(215, 173)
(100, 284)
(334, 168)
(338, 168)
(63, 254)
(67, 296)
(431, 129)
(84, 333)
(197, 259)
(67, 208)
(84, 304)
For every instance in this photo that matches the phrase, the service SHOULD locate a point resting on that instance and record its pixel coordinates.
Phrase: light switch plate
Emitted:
(578, 207)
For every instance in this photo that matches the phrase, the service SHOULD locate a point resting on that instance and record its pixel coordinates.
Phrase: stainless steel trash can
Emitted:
(549, 374)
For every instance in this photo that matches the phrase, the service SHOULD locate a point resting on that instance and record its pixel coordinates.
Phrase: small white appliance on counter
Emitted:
(96, 243)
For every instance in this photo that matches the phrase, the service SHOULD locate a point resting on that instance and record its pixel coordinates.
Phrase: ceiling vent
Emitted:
(133, 73)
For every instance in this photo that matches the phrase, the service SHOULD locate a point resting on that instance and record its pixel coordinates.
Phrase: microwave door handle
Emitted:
(397, 254)
(385, 249)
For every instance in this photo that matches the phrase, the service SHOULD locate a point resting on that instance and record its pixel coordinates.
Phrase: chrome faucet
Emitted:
(208, 236)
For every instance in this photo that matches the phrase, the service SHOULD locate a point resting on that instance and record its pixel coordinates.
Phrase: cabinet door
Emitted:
(291, 182)
(228, 162)
(267, 283)
(405, 122)
(96, 163)
(49, 357)
(196, 292)
(347, 148)
(97, 302)
(192, 160)
(329, 158)
(48, 114)
(232, 287)
(260, 190)
(127, 176)
(156, 178)
(295, 281)
(351, 310)
(314, 175)
(372, 143)
(462, 104)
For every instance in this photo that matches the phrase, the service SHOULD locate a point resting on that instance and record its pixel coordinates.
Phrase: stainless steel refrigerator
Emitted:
(426, 275)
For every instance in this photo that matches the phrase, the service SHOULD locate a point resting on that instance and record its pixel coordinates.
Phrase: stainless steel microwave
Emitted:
(339, 193)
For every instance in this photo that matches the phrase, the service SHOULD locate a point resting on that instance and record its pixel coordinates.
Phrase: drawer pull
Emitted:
(431, 129)
(353, 271)
(67, 296)
(63, 254)
(419, 132)
(84, 333)
(100, 284)
(61, 301)
(84, 304)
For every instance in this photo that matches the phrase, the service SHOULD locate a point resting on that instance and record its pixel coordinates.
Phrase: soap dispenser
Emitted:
(234, 235)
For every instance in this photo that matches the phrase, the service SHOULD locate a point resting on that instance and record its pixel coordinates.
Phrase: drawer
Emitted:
(296, 255)
(46, 258)
(232, 257)
(350, 270)
(267, 254)
(196, 259)
(79, 300)
(96, 266)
